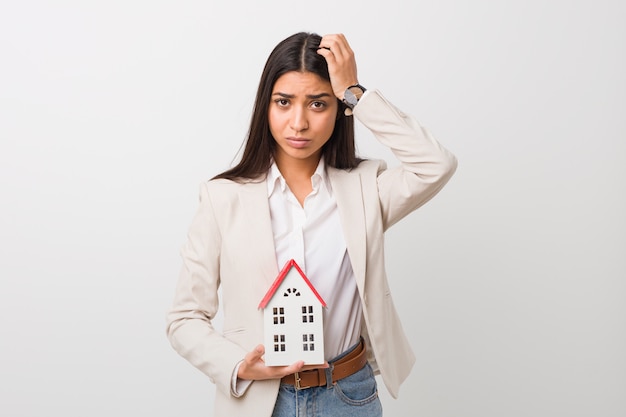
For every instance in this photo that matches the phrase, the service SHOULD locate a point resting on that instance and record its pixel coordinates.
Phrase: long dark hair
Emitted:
(298, 52)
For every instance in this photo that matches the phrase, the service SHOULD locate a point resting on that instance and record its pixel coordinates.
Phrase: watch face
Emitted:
(350, 98)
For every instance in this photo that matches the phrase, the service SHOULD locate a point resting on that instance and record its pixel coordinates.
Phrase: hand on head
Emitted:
(341, 63)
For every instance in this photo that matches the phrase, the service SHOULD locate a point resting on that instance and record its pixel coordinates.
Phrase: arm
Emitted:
(189, 321)
(425, 165)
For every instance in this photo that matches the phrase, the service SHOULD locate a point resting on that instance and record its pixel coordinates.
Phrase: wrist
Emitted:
(351, 97)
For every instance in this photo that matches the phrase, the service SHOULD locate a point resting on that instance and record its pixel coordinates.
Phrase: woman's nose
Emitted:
(299, 121)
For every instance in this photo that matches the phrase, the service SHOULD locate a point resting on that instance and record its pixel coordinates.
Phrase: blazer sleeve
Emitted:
(425, 165)
(189, 321)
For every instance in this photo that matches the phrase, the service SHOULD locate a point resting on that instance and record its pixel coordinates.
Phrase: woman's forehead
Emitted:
(296, 82)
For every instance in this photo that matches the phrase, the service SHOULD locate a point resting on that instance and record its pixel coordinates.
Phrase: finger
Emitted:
(338, 45)
(339, 57)
(300, 366)
(308, 367)
(255, 355)
(343, 45)
(327, 53)
(293, 368)
(337, 41)
(333, 50)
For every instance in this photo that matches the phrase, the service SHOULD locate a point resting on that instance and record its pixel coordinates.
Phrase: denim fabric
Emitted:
(355, 395)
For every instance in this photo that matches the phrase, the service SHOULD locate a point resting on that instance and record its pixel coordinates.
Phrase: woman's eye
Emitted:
(318, 104)
(282, 102)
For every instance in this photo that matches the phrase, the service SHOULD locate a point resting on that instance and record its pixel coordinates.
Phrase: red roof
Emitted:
(279, 279)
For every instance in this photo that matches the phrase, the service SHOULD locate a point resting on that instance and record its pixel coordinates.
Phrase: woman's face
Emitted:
(302, 114)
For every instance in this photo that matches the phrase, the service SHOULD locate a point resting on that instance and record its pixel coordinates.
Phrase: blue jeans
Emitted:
(353, 396)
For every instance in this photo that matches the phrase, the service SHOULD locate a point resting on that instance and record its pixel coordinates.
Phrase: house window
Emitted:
(307, 314)
(308, 344)
(279, 343)
(291, 291)
(279, 315)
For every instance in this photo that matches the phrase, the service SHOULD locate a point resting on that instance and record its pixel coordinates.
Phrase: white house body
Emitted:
(293, 324)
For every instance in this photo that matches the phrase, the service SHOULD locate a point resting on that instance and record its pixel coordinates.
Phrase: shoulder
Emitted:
(223, 185)
(223, 190)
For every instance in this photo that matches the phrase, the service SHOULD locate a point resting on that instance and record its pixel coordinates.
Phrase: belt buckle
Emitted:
(297, 380)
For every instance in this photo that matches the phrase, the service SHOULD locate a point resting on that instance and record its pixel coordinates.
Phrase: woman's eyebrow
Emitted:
(316, 96)
(309, 96)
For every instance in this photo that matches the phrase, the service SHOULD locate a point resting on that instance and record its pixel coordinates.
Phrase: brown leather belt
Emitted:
(353, 361)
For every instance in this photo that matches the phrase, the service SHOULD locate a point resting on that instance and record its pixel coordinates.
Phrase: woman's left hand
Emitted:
(341, 63)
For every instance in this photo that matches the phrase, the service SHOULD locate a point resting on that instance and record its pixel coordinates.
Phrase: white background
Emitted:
(511, 283)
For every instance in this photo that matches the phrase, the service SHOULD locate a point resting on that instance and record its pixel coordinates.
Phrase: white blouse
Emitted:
(312, 235)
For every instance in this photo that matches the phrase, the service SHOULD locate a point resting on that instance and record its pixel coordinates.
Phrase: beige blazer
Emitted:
(230, 258)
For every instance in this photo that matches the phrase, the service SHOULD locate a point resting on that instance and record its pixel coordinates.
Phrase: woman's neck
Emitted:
(297, 169)
(297, 175)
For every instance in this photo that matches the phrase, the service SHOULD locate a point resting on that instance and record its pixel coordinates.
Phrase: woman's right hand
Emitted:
(253, 367)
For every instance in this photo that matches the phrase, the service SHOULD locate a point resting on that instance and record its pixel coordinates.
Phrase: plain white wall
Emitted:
(511, 282)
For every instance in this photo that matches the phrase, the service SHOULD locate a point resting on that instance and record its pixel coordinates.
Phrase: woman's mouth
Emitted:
(297, 142)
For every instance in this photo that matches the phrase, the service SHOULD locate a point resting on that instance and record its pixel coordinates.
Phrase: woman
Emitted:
(300, 192)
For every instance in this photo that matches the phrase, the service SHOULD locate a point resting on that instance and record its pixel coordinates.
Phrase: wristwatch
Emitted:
(352, 96)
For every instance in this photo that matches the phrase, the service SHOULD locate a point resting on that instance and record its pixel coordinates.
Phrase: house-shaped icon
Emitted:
(292, 317)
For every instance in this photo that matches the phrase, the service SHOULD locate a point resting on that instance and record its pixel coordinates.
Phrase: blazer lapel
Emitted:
(260, 237)
(347, 191)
